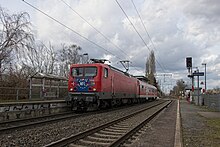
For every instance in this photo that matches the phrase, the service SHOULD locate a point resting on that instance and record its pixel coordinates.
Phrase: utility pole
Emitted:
(164, 75)
(205, 76)
(189, 67)
(197, 73)
(198, 92)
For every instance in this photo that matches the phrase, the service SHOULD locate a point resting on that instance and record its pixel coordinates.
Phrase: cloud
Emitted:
(178, 29)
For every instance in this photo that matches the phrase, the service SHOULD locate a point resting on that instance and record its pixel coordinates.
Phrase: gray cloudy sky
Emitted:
(178, 28)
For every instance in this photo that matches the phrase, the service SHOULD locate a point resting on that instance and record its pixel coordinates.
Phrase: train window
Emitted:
(77, 72)
(105, 72)
(90, 71)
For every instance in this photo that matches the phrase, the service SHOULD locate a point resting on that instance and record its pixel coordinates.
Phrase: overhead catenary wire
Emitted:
(95, 28)
(92, 42)
(142, 23)
(145, 28)
(137, 32)
(149, 37)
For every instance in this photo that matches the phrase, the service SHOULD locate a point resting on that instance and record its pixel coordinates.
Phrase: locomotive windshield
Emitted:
(90, 71)
(84, 71)
(77, 72)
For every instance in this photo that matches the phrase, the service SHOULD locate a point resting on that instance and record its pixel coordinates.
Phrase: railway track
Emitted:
(113, 133)
(18, 124)
(29, 122)
(11, 122)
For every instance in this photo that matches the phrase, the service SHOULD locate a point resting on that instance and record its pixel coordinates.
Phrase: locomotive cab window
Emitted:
(77, 72)
(105, 72)
(90, 71)
(86, 71)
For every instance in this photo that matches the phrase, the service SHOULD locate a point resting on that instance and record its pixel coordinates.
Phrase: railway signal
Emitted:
(189, 62)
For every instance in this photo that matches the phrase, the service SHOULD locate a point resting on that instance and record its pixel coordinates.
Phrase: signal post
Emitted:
(192, 74)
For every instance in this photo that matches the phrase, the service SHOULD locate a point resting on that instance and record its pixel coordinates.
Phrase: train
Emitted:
(98, 85)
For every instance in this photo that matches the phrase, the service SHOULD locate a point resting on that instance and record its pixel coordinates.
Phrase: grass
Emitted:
(212, 133)
(214, 125)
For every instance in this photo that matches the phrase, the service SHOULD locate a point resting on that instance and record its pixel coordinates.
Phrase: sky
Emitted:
(177, 29)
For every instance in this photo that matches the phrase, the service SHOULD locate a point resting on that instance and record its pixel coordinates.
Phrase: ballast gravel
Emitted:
(51, 132)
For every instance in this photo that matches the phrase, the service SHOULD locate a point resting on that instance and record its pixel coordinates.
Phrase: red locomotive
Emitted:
(98, 85)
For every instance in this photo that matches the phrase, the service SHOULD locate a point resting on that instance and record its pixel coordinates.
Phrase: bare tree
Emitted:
(40, 59)
(180, 86)
(15, 33)
(68, 55)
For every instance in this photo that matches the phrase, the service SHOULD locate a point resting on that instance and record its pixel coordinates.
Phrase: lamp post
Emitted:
(85, 60)
(194, 74)
(205, 75)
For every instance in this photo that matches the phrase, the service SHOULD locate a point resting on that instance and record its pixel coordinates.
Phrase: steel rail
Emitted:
(76, 137)
(49, 120)
(126, 136)
(38, 122)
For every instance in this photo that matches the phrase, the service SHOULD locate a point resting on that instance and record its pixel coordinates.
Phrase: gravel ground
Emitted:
(196, 131)
(131, 122)
(160, 132)
(45, 134)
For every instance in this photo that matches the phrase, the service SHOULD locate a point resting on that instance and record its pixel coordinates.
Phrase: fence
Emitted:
(212, 101)
(15, 93)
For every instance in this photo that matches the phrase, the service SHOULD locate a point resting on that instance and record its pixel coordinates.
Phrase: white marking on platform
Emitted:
(178, 142)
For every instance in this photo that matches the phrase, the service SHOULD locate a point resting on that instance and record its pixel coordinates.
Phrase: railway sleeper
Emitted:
(106, 135)
(89, 143)
(119, 128)
(93, 137)
(115, 130)
(112, 133)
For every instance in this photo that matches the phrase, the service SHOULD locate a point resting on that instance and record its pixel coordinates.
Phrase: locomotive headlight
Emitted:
(94, 89)
(71, 89)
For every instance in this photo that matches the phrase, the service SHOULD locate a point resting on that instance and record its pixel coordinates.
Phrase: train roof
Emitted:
(102, 64)
(151, 86)
(142, 78)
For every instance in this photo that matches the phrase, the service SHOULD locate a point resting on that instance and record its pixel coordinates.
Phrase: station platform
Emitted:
(28, 109)
(30, 102)
(196, 127)
(161, 131)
